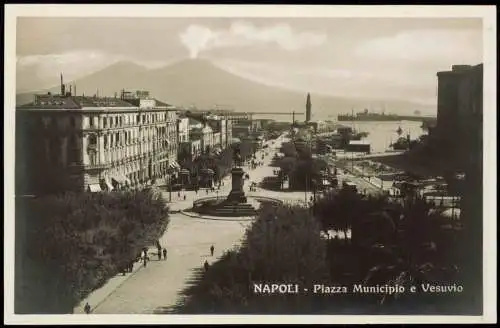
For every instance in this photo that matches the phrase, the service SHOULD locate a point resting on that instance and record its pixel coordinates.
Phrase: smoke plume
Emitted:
(198, 38)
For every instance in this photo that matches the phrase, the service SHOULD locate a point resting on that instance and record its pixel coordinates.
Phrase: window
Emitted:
(92, 141)
(138, 118)
(105, 122)
(72, 121)
(106, 141)
(91, 121)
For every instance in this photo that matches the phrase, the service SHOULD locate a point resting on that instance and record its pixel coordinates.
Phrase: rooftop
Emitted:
(50, 101)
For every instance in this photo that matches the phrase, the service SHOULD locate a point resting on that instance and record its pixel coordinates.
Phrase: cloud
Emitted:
(72, 64)
(338, 81)
(37, 71)
(462, 45)
(198, 38)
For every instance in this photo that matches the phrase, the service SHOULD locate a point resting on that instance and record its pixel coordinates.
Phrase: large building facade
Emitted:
(460, 111)
(73, 143)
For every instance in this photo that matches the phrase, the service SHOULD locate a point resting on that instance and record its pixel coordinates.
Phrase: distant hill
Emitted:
(200, 83)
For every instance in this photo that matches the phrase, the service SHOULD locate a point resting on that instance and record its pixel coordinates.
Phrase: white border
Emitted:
(489, 227)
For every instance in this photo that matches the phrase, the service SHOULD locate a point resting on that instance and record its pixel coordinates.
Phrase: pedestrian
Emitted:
(164, 253)
(184, 196)
(212, 250)
(196, 191)
(87, 308)
(178, 194)
(206, 265)
(145, 260)
(159, 254)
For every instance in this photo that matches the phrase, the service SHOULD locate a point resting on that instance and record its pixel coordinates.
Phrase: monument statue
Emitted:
(236, 156)
(237, 195)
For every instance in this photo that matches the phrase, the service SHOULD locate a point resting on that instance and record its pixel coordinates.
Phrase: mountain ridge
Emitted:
(200, 83)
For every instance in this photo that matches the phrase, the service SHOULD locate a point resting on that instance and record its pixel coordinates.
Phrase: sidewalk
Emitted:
(99, 295)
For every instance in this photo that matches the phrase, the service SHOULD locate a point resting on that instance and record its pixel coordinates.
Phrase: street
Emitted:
(157, 287)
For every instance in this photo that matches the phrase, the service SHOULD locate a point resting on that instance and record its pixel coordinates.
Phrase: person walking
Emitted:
(159, 254)
(184, 196)
(178, 194)
(212, 250)
(206, 265)
(131, 266)
(164, 253)
(86, 308)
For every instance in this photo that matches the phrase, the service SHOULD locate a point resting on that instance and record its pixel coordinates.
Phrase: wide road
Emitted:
(157, 287)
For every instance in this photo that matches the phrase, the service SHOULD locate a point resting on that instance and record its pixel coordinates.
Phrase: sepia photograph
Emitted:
(276, 162)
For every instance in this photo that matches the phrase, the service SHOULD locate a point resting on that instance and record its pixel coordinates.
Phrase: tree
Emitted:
(87, 238)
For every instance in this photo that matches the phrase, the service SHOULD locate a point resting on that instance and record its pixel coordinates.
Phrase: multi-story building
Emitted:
(77, 143)
(460, 110)
(182, 129)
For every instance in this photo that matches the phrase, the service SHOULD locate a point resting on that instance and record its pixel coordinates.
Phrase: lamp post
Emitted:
(169, 179)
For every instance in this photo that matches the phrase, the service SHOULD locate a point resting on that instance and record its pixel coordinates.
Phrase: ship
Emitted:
(373, 116)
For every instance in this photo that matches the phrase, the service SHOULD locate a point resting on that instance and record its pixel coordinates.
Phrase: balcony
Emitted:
(90, 167)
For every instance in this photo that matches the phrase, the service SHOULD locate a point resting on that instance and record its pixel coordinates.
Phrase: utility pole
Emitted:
(305, 192)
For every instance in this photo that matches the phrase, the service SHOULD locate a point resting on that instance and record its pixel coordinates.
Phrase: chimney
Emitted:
(308, 108)
(63, 88)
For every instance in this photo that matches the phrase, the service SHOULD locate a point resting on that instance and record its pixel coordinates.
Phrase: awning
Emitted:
(94, 188)
(184, 171)
(174, 165)
(109, 184)
(120, 178)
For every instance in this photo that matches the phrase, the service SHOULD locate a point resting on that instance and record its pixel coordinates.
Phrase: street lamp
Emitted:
(169, 187)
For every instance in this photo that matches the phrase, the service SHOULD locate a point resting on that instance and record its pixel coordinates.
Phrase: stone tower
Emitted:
(308, 108)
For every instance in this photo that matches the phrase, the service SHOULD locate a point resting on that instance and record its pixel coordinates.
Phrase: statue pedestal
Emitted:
(237, 194)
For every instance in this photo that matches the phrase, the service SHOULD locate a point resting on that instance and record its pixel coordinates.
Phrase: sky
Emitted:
(373, 57)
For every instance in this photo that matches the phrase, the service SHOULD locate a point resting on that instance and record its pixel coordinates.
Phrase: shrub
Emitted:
(89, 236)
